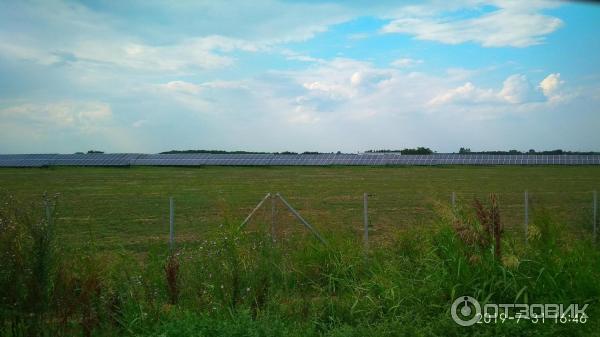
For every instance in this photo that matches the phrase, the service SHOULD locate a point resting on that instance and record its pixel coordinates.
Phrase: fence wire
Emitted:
(134, 221)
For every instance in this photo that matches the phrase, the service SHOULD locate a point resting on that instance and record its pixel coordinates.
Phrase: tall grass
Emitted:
(237, 283)
(27, 262)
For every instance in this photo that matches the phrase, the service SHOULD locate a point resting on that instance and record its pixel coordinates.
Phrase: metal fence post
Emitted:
(526, 216)
(273, 218)
(453, 199)
(366, 221)
(595, 214)
(48, 212)
(171, 223)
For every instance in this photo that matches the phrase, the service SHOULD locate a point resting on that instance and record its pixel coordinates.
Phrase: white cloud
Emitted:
(346, 89)
(342, 78)
(184, 56)
(339, 79)
(84, 116)
(516, 90)
(100, 39)
(551, 84)
(406, 62)
(466, 94)
(512, 23)
(93, 39)
(330, 90)
(187, 43)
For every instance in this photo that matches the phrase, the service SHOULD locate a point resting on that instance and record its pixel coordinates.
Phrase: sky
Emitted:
(265, 75)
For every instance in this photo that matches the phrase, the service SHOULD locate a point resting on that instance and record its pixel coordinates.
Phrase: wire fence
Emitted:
(135, 221)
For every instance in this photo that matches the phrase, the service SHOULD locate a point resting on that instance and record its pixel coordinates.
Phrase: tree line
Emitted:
(416, 151)
(531, 151)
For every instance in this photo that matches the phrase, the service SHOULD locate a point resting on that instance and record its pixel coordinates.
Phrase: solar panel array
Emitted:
(25, 160)
(92, 159)
(200, 159)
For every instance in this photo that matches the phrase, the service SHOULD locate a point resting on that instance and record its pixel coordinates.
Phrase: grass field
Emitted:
(129, 206)
(102, 266)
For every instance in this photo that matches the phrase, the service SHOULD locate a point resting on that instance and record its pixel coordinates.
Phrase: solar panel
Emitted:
(197, 159)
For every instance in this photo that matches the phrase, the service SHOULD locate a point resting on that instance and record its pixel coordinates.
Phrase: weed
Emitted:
(172, 276)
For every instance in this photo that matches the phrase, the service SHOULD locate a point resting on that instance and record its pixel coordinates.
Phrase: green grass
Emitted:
(128, 207)
(103, 267)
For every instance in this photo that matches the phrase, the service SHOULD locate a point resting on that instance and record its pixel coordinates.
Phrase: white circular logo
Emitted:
(466, 311)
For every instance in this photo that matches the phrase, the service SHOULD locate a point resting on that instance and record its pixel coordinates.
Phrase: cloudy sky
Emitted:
(264, 75)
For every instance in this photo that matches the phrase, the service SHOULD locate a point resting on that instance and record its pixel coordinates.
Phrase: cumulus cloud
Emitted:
(347, 89)
(467, 94)
(516, 89)
(333, 91)
(338, 79)
(551, 84)
(369, 78)
(512, 24)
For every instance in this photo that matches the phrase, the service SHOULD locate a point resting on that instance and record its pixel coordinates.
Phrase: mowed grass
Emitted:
(128, 207)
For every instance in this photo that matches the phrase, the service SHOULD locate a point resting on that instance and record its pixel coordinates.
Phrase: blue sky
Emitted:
(150, 76)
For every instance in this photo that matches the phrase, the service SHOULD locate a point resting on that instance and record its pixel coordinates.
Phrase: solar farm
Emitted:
(190, 159)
